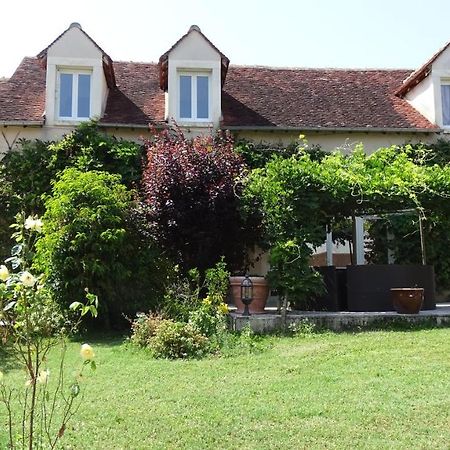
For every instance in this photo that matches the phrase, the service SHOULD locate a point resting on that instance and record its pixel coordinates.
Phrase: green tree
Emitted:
(90, 242)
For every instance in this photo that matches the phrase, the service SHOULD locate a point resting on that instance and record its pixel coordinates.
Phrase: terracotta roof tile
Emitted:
(22, 97)
(138, 98)
(252, 97)
(317, 98)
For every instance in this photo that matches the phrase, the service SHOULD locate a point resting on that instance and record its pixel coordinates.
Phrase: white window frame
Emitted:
(444, 82)
(193, 75)
(75, 73)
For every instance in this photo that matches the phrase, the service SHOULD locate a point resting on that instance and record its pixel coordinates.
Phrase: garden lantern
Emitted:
(246, 294)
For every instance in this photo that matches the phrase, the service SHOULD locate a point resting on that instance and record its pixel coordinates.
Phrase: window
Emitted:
(74, 95)
(445, 98)
(194, 96)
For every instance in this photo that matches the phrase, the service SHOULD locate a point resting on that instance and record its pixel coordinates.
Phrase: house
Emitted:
(193, 84)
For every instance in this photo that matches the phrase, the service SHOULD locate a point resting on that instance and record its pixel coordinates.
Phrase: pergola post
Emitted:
(329, 246)
(358, 240)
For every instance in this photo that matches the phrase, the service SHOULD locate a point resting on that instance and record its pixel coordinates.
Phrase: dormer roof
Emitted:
(108, 67)
(164, 58)
(420, 74)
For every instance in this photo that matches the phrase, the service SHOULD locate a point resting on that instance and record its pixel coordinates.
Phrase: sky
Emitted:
(285, 33)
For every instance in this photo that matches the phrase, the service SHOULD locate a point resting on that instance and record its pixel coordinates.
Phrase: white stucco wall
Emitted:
(422, 98)
(74, 51)
(426, 96)
(194, 54)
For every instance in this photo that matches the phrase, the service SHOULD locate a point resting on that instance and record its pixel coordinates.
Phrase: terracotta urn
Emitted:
(407, 300)
(260, 294)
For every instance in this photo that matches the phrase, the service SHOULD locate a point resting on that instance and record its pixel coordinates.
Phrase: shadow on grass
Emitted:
(110, 339)
(9, 363)
(7, 360)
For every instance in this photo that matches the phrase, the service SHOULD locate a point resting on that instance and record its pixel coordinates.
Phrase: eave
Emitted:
(331, 129)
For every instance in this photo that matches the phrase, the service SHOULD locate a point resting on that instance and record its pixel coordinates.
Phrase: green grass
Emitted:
(373, 390)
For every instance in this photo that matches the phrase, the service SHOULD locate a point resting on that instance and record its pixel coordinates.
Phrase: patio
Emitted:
(338, 321)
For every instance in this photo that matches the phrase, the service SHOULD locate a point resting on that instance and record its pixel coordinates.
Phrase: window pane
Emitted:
(202, 97)
(84, 95)
(65, 95)
(445, 95)
(185, 97)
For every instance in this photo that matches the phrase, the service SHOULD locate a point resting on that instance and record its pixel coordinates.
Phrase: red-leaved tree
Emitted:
(190, 188)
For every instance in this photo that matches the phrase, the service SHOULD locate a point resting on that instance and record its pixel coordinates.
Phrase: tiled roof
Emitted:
(317, 98)
(22, 97)
(253, 97)
(138, 98)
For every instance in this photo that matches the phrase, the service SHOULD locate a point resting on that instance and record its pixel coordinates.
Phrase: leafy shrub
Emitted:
(184, 300)
(189, 325)
(27, 172)
(88, 148)
(143, 329)
(257, 155)
(24, 178)
(84, 230)
(182, 296)
(178, 340)
(189, 188)
(167, 338)
(209, 318)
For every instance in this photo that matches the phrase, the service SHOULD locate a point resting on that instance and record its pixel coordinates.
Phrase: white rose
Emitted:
(29, 223)
(38, 225)
(27, 279)
(4, 273)
(33, 224)
(87, 352)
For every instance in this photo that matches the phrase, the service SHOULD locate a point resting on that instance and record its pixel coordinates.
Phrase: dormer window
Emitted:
(74, 94)
(194, 96)
(445, 99)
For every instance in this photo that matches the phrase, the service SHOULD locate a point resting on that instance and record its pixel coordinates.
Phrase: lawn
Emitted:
(369, 390)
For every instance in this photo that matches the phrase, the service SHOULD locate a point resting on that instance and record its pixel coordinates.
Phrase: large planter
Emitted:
(260, 294)
(407, 300)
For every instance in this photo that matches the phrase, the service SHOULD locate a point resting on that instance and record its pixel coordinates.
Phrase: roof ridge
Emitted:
(335, 69)
(135, 62)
